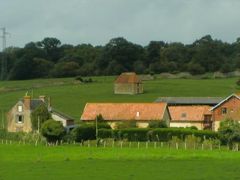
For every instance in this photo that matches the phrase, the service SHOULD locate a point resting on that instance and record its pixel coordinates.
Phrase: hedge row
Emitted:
(160, 134)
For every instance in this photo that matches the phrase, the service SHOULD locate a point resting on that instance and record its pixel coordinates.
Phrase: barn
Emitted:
(128, 83)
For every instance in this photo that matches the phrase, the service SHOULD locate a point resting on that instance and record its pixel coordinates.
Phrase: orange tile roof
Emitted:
(128, 77)
(124, 111)
(189, 113)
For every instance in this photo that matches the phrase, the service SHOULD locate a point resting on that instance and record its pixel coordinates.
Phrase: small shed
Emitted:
(128, 83)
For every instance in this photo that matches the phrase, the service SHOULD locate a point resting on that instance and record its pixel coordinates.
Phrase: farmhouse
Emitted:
(128, 83)
(19, 117)
(141, 113)
(228, 108)
(205, 112)
(199, 116)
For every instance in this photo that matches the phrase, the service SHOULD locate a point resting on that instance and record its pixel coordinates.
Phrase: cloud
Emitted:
(140, 21)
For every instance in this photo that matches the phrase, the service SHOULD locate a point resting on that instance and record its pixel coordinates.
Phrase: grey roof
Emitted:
(67, 117)
(34, 103)
(190, 100)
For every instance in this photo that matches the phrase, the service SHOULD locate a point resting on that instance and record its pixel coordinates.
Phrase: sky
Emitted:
(139, 21)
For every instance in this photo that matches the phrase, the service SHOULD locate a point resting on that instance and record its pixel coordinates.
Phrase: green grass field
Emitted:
(70, 97)
(74, 162)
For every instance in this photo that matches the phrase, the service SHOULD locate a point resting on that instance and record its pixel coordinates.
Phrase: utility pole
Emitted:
(4, 45)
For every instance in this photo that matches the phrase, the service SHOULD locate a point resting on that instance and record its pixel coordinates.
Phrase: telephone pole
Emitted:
(4, 45)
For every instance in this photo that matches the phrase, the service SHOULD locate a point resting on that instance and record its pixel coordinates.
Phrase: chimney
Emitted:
(42, 98)
(27, 102)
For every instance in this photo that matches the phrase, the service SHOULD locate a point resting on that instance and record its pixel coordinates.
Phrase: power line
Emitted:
(4, 60)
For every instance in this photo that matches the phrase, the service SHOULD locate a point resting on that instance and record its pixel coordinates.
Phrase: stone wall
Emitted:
(128, 88)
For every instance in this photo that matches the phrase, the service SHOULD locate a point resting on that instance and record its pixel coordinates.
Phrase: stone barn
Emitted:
(128, 83)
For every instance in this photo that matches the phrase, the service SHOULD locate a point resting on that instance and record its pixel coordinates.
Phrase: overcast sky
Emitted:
(140, 21)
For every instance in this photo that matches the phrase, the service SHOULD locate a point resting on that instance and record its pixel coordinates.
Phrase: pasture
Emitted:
(75, 162)
(70, 96)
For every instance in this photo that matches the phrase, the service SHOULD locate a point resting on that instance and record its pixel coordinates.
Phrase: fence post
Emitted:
(161, 144)
(121, 143)
(130, 144)
(202, 146)
(176, 145)
(185, 145)
(147, 144)
(138, 145)
(211, 146)
(155, 145)
(88, 143)
(219, 146)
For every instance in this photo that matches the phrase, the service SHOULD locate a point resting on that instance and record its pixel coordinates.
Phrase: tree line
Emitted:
(50, 58)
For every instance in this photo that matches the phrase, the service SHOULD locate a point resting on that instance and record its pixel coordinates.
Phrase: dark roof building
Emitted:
(212, 101)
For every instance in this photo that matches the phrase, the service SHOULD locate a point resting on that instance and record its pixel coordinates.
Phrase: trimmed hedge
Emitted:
(160, 134)
(84, 132)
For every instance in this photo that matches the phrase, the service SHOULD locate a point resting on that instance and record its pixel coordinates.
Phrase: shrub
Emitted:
(124, 125)
(229, 131)
(52, 130)
(160, 134)
(105, 133)
(157, 124)
(83, 132)
(79, 78)
(238, 82)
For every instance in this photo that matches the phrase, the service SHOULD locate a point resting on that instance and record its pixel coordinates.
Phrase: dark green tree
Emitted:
(52, 130)
(39, 116)
(229, 131)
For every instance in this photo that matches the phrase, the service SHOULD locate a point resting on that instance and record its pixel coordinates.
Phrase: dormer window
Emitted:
(184, 115)
(138, 114)
(20, 108)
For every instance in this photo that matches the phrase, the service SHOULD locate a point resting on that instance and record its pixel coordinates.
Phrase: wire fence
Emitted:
(127, 144)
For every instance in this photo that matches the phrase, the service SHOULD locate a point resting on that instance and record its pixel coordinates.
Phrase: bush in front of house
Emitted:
(229, 131)
(165, 134)
(52, 130)
(83, 132)
(39, 116)
(125, 125)
(157, 124)
(159, 134)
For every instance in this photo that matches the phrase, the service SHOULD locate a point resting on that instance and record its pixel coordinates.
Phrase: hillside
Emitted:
(70, 96)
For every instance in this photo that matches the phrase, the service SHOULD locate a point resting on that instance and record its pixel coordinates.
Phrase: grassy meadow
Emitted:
(18, 161)
(75, 162)
(70, 96)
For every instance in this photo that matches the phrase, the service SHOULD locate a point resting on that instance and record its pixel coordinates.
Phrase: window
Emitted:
(19, 119)
(224, 110)
(20, 108)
